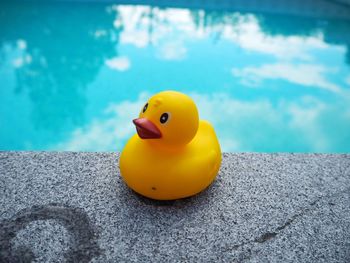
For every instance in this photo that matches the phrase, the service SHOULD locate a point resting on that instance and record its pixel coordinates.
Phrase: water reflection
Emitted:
(59, 57)
(333, 31)
(307, 75)
(268, 82)
(305, 124)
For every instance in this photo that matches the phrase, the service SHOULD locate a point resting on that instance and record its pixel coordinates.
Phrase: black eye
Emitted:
(164, 118)
(145, 107)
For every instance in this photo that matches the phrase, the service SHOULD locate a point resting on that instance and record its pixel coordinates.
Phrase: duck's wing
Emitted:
(207, 152)
(214, 155)
(214, 160)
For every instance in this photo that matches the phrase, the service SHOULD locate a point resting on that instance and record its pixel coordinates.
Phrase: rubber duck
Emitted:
(173, 155)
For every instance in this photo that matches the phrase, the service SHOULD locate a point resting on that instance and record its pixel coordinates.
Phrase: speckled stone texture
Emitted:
(74, 207)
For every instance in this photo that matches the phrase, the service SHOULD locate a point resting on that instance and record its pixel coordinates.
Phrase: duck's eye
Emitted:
(145, 108)
(164, 118)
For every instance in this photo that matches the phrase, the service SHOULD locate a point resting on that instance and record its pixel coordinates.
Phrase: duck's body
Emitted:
(165, 174)
(166, 171)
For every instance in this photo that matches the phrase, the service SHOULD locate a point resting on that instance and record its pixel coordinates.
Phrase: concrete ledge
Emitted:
(262, 208)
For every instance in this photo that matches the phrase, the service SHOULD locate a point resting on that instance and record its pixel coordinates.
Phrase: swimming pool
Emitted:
(269, 80)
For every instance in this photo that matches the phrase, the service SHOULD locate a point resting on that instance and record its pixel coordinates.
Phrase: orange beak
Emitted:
(147, 129)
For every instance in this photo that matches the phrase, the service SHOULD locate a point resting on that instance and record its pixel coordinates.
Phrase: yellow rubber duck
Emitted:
(174, 154)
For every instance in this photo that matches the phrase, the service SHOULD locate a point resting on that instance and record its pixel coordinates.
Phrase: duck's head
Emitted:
(169, 118)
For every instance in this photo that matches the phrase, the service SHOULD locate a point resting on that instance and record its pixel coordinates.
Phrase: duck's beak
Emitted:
(147, 129)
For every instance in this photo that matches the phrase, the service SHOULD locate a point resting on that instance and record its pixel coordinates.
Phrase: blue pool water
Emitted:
(74, 75)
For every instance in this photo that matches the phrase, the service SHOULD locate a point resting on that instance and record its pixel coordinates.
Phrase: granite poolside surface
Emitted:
(74, 207)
